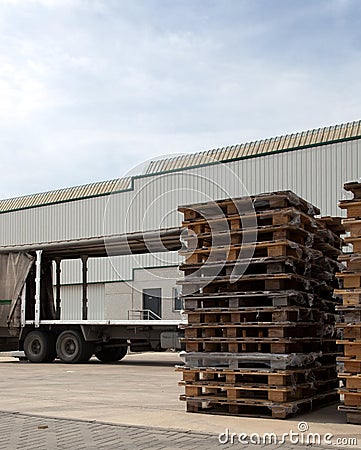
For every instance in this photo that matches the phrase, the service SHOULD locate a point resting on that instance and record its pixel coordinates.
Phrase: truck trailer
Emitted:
(30, 302)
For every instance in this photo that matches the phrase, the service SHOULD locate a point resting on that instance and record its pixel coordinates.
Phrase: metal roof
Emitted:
(320, 136)
(67, 194)
(309, 138)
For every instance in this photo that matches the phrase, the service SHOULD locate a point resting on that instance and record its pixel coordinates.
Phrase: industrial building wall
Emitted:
(71, 301)
(317, 174)
(116, 268)
(121, 300)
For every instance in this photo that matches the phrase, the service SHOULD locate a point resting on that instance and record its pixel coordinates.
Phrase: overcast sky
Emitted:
(91, 88)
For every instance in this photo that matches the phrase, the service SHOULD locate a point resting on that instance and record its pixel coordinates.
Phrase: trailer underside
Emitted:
(34, 311)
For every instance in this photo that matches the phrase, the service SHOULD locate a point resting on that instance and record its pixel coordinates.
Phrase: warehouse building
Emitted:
(314, 164)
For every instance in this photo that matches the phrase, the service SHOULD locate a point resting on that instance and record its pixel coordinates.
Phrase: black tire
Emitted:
(72, 348)
(111, 354)
(39, 347)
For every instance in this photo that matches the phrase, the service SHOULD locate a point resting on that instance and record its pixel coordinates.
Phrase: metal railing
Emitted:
(142, 314)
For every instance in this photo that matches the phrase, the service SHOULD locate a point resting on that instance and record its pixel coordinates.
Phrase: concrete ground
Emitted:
(140, 391)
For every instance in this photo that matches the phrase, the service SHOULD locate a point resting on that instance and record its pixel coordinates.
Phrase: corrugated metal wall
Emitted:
(317, 174)
(71, 302)
(115, 268)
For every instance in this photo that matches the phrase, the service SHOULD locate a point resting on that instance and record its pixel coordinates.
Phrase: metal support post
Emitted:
(58, 287)
(23, 306)
(37, 287)
(84, 260)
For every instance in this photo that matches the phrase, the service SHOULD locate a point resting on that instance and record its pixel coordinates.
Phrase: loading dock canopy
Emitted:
(167, 239)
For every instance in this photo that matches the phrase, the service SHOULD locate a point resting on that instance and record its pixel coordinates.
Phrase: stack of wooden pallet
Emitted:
(258, 291)
(350, 362)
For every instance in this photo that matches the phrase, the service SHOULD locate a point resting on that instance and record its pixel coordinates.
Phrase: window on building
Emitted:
(177, 299)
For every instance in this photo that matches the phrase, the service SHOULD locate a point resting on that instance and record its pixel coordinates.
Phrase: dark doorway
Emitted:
(152, 301)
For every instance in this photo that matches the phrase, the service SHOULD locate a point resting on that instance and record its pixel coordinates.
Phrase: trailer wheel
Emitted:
(111, 354)
(72, 348)
(39, 347)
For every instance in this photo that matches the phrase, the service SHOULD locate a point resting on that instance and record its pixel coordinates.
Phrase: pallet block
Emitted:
(353, 208)
(355, 188)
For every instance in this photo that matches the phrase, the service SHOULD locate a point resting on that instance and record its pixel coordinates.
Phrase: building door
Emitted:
(152, 301)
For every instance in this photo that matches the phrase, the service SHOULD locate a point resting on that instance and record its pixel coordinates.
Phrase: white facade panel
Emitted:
(71, 301)
(117, 300)
(123, 300)
(116, 268)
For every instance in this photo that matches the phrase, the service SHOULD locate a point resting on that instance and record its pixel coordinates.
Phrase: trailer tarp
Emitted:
(14, 269)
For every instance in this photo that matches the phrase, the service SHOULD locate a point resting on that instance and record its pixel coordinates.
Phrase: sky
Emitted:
(90, 89)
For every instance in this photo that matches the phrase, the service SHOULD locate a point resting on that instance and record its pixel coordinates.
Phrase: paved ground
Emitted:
(23, 432)
(129, 405)
(36, 433)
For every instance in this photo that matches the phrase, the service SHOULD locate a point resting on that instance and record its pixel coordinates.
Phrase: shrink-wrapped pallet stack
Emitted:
(258, 292)
(350, 311)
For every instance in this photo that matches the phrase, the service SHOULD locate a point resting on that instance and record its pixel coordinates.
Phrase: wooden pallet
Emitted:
(350, 330)
(351, 280)
(259, 250)
(217, 238)
(353, 381)
(320, 269)
(351, 397)
(279, 199)
(353, 208)
(353, 414)
(352, 261)
(259, 314)
(353, 226)
(258, 344)
(280, 264)
(279, 361)
(259, 219)
(350, 347)
(350, 312)
(329, 250)
(257, 329)
(248, 251)
(261, 282)
(257, 408)
(355, 188)
(244, 391)
(230, 377)
(333, 224)
(356, 243)
(241, 299)
(350, 297)
(349, 364)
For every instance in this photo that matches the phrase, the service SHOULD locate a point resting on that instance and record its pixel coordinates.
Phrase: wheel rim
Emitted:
(35, 347)
(69, 347)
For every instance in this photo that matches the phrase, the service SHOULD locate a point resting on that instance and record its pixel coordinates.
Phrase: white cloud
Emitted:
(89, 89)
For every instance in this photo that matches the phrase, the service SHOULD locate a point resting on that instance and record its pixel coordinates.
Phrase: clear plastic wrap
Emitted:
(310, 240)
(296, 220)
(242, 360)
(298, 249)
